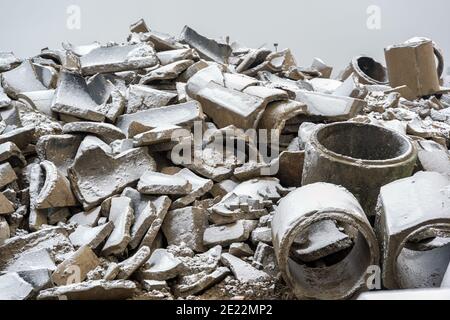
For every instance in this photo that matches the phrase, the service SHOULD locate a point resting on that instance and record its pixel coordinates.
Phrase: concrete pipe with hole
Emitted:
(323, 242)
(360, 157)
(368, 71)
(413, 225)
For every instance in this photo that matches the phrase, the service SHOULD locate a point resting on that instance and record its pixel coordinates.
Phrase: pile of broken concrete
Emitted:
(92, 203)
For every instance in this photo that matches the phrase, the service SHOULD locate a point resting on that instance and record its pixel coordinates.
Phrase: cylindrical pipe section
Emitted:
(297, 222)
(368, 70)
(360, 157)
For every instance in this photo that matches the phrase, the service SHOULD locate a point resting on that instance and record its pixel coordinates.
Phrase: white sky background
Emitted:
(334, 30)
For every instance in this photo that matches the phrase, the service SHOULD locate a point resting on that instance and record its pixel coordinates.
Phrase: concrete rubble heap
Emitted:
(115, 183)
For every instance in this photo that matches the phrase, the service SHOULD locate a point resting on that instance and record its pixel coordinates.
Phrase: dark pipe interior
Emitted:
(373, 69)
(364, 142)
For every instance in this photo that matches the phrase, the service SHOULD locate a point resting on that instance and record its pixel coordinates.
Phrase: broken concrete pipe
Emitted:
(368, 70)
(360, 157)
(413, 225)
(323, 242)
(413, 63)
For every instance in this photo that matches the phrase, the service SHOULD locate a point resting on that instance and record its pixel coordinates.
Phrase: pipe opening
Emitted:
(422, 263)
(372, 69)
(334, 265)
(361, 141)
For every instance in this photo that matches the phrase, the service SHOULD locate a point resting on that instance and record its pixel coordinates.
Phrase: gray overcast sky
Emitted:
(334, 30)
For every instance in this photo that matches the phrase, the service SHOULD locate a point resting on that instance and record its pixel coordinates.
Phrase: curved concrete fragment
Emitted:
(24, 78)
(161, 134)
(414, 212)
(330, 107)
(359, 157)
(183, 114)
(230, 107)
(207, 49)
(59, 149)
(122, 215)
(73, 97)
(105, 131)
(296, 214)
(162, 265)
(96, 175)
(91, 290)
(118, 58)
(202, 77)
(167, 72)
(170, 56)
(56, 191)
(238, 81)
(91, 236)
(142, 98)
(130, 265)
(278, 113)
(159, 184)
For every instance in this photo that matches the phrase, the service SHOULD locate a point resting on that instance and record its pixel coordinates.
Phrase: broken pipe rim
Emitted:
(355, 64)
(392, 267)
(406, 156)
(286, 229)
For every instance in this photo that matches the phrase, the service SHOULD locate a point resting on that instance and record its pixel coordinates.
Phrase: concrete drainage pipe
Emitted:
(323, 242)
(360, 157)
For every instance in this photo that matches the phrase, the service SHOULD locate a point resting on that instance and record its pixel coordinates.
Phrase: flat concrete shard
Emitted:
(243, 271)
(167, 72)
(139, 122)
(122, 215)
(413, 218)
(186, 226)
(13, 287)
(91, 236)
(207, 49)
(230, 107)
(118, 58)
(91, 290)
(158, 184)
(105, 131)
(96, 175)
(141, 98)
